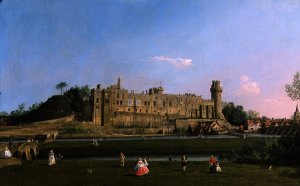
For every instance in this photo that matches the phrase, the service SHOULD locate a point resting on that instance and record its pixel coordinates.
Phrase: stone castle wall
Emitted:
(117, 107)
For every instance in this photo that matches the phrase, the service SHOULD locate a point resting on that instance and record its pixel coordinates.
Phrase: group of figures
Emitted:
(214, 166)
(141, 168)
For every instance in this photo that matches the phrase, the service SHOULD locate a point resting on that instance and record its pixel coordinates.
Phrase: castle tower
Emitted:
(216, 96)
(96, 106)
(119, 83)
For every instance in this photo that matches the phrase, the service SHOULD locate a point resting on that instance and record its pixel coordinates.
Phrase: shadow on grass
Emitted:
(131, 175)
(289, 174)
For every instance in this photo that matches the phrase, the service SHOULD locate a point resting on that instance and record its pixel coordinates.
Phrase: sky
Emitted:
(252, 47)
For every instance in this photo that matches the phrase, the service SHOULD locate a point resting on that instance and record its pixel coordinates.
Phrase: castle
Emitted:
(115, 106)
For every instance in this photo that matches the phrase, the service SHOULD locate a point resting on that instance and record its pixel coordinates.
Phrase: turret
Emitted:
(96, 106)
(216, 96)
(119, 83)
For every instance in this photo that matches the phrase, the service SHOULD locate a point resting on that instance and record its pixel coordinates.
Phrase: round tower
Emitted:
(216, 96)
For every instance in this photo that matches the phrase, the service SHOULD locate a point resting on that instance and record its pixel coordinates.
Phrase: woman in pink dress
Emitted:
(140, 168)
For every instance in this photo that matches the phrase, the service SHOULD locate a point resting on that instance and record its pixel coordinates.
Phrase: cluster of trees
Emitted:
(237, 116)
(75, 100)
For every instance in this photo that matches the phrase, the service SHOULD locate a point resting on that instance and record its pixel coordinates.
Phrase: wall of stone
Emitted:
(137, 120)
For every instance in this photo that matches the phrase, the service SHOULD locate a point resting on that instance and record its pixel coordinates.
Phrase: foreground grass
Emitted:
(71, 172)
(222, 147)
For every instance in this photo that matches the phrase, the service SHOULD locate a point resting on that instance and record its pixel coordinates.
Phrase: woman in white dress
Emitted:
(7, 153)
(140, 168)
(51, 160)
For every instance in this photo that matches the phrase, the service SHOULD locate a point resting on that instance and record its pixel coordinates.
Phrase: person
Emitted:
(218, 168)
(60, 157)
(141, 169)
(95, 142)
(7, 153)
(170, 158)
(184, 162)
(146, 162)
(122, 159)
(10, 143)
(212, 163)
(51, 160)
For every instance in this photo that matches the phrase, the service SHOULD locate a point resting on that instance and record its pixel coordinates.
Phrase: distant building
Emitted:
(253, 125)
(115, 106)
(297, 115)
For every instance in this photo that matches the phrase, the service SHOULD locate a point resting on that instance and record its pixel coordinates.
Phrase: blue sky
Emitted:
(253, 47)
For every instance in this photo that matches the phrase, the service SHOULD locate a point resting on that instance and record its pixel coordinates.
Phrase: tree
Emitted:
(3, 113)
(35, 106)
(293, 90)
(19, 111)
(252, 114)
(61, 86)
(85, 91)
(235, 114)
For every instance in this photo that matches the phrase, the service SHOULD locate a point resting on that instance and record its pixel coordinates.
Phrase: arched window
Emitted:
(130, 102)
(138, 102)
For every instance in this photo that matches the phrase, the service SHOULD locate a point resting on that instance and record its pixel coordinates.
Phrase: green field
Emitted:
(71, 172)
(221, 147)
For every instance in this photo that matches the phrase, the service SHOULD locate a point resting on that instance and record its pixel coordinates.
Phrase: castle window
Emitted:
(97, 100)
(118, 95)
(97, 107)
(164, 104)
(145, 103)
(154, 110)
(138, 102)
(121, 102)
(146, 110)
(170, 104)
(117, 102)
(122, 96)
(128, 109)
(130, 102)
(140, 110)
(148, 103)
(154, 103)
(106, 100)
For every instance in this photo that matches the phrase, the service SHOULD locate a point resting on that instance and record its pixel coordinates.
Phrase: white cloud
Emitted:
(248, 87)
(177, 62)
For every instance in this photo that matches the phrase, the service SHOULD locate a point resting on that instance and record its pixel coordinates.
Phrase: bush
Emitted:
(259, 151)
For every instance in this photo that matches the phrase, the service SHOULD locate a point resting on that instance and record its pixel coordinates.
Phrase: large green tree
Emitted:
(60, 86)
(234, 114)
(293, 90)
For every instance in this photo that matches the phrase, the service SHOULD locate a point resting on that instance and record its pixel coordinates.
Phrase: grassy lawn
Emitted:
(71, 172)
(147, 147)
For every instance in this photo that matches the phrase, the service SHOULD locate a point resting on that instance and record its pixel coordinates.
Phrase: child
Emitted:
(218, 168)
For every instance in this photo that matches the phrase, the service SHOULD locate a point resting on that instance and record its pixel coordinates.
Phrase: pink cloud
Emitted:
(248, 87)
